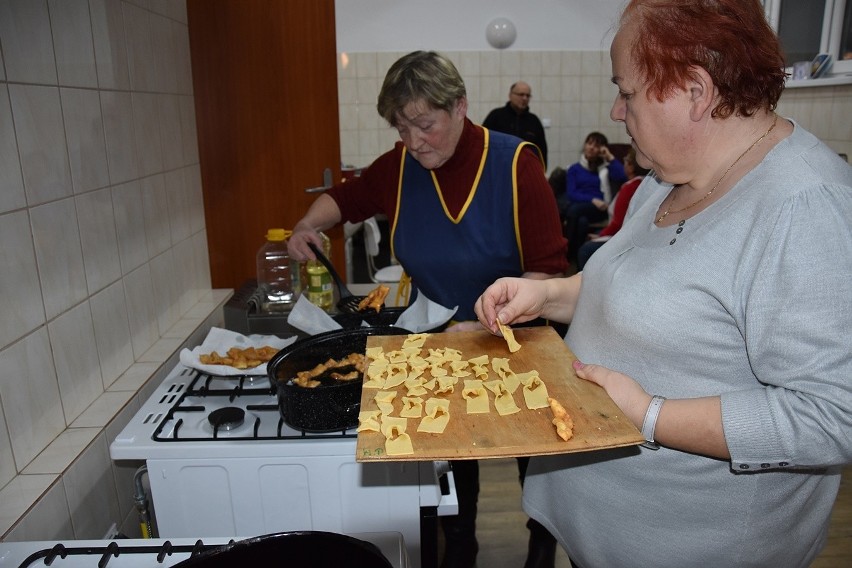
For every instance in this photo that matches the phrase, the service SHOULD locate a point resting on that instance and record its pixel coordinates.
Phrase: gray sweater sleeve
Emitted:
(797, 323)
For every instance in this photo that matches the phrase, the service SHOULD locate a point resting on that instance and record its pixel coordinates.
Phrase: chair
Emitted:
(372, 238)
(349, 231)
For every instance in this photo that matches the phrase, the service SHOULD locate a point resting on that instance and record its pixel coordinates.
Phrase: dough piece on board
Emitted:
(437, 416)
(476, 396)
(368, 421)
(504, 402)
(535, 393)
(412, 407)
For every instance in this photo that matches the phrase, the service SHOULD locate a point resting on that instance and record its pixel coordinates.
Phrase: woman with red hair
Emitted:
(717, 318)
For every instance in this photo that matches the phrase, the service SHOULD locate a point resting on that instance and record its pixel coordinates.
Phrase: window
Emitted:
(809, 27)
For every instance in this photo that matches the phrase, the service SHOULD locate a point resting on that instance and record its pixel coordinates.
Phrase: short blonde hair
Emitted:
(420, 75)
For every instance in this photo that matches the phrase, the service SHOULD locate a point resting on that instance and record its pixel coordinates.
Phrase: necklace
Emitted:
(709, 193)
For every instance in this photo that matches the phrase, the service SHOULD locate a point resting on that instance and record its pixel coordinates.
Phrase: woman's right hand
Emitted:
(513, 300)
(297, 244)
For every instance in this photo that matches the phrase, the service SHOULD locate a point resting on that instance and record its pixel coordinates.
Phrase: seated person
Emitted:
(635, 174)
(588, 190)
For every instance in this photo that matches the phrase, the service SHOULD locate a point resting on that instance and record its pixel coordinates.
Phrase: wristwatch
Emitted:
(649, 424)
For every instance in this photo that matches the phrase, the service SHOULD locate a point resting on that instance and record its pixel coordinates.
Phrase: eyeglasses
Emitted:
(525, 95)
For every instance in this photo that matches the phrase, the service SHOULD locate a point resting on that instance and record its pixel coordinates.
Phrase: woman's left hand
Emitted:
(599, 203)
(630, 397)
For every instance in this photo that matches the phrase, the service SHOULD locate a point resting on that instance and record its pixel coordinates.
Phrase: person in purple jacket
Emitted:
(590, 185)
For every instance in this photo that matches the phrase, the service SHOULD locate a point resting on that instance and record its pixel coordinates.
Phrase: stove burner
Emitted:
(227, 418)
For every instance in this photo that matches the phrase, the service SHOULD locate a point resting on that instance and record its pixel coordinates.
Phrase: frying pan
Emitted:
(348, 303)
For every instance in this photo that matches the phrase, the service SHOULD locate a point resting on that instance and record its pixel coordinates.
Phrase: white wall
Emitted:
(459, 25)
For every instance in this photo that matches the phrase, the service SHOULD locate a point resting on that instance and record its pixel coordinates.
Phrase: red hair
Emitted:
(730, 39)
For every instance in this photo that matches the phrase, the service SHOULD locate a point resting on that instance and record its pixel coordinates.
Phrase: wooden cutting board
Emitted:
(598, 422)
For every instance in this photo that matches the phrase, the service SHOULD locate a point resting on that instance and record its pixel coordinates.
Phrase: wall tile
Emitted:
(134, 377)
(112, 332)
(141, 310)
(146, 128)
(90, 487)
(27, 43)
(98, 239)
(72, 42)
(110, 44)
(140, 59)
(12, 194)
(75, 355)
(19, 284)
(101, 411)
(30, 394)
(155, 210)
(84, 131)
(531, 66)
(49, 518)
(170, 131)
(41, 142)
(164, 48)
(7, 466)
(179, 219)
(60, 257)
(195, 197)
(182, 58)
(130, 226)
(201, 266)
(165, 288)
(117, 112)
(62, 451)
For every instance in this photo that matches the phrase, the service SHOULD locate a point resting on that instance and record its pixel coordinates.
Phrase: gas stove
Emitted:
(222, 462)
(149, 553)
(195, 413)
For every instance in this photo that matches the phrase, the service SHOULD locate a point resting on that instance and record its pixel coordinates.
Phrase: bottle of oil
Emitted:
(277, 277)
(320, 289)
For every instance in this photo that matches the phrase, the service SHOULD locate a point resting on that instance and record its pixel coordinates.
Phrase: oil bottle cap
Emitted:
(278, 234)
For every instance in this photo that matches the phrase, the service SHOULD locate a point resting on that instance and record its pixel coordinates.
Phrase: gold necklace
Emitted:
(709, 193)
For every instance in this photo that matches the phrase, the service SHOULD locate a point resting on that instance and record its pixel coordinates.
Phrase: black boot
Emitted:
(542, 547)
(461, 548)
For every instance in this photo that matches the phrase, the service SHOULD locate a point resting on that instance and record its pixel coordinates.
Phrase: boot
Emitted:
(460, 547)
(542, 547)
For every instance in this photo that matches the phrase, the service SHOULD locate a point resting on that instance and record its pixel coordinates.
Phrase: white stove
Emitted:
(222, 462)
(150, 553)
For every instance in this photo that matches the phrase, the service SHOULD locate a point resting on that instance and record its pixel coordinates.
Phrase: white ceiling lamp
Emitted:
(500, 33)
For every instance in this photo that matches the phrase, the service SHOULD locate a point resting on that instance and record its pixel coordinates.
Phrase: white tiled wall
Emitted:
(103, 250)
(570, 88)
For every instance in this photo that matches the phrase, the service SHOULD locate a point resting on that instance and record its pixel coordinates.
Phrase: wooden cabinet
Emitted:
(265, 84)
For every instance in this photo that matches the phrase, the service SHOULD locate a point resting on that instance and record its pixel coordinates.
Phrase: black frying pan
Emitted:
(348, 303)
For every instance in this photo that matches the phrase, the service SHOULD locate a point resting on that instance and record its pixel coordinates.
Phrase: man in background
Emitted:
(515, 118)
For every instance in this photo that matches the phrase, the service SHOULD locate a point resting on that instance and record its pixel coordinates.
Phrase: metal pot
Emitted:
(306, 549)
(331, 406)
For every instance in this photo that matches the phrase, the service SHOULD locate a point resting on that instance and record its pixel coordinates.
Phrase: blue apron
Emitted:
(452, 260)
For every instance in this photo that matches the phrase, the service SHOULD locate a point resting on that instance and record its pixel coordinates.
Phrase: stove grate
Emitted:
(189, 399)
(114, 550)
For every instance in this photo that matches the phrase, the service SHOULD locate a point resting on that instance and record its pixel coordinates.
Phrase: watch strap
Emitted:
(649, 424)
